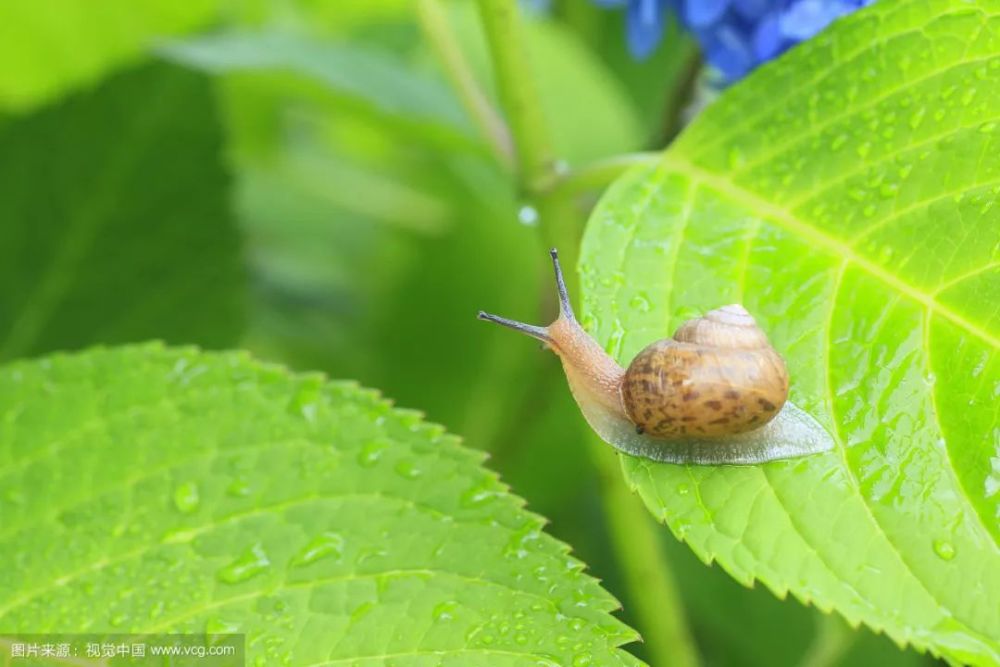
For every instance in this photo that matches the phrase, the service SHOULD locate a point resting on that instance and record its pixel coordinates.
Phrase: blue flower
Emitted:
(735, 35)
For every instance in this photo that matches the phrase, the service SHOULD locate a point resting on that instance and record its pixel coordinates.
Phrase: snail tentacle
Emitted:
(541, 333)
(565, 307)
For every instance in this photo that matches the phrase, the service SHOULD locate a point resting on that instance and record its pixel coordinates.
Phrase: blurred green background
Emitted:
(298, 178)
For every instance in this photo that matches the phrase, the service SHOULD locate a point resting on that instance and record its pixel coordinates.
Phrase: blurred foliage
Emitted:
(374, 223)
(114, 219)
(47, 50)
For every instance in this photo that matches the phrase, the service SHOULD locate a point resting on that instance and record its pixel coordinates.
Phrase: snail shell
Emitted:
(717, 376)
(715, 393)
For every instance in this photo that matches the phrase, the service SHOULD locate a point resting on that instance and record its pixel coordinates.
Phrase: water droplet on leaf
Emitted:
(253, 562)
(186, 497)
(407, 469)
(371, 452)
(239, 487)
(324, 545)
(944, 549)
(444, 611)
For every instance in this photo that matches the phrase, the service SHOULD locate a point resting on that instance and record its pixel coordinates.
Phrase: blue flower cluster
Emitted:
(735, 35)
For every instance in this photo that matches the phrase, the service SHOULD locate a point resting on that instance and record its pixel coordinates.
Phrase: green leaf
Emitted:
(361, 78)
(847, 195)
(114, 219)
(47, 49)
(154, 489)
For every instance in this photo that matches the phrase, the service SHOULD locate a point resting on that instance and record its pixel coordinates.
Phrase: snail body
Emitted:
(716, 392)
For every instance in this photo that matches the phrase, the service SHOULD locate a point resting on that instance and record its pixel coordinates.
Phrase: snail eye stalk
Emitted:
(565, 308)
(541, 333)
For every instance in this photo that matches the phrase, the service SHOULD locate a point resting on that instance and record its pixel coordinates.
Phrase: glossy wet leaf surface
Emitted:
(847, 196)
(148, 489)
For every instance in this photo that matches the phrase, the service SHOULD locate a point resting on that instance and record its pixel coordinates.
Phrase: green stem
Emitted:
(833, 639)
(635, 538)
(599, 174)
(434, 22)
(518, 95)
(651, 592)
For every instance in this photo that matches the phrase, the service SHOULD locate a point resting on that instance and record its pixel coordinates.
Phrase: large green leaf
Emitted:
(47, 48)
(114, 220)
(356, 77)
(847, 195)
(155, 489)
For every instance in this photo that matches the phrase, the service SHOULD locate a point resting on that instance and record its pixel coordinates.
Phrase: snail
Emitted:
(714, 393)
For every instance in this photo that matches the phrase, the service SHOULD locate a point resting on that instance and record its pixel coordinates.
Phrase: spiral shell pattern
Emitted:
(717, 376)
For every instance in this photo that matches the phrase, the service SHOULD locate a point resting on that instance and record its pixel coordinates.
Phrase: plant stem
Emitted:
(651, 592)
(518, 95)
(833, 639)
(599, 174)
(434, 22)
(635, 537)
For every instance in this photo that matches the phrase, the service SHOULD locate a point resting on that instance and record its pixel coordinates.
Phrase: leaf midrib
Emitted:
(784, 218)
(781, 101)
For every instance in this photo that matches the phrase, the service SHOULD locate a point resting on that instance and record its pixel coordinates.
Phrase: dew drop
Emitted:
(639, 302)
(479, 494)
(944, 549)
(371, 452)
(324, 545)
(186, 497)
(305, 401)
(219, 626)
(253, 562)
(407, 470)
(444, 612)
(582, 660)
(118, 620)
(888, 190)
(683, 490)
(527, 215)
(156, 610)
(239, 488)
(864, 149)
